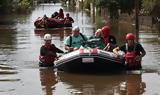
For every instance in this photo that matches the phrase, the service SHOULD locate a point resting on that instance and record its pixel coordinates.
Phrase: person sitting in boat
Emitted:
(75, 41)
(55, 15)
(68, 21)
(60, 14)
(41, 22)
(97, 34)
(133, 52)
(48, 52)
(95, 41)
(109, 40)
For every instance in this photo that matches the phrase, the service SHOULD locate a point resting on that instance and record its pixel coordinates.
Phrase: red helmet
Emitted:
(130, 36)
(106, 30)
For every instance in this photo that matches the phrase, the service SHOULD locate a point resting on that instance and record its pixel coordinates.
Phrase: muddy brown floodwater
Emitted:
(19, 51)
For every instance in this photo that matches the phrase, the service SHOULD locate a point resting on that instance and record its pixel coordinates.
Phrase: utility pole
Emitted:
(137, 20)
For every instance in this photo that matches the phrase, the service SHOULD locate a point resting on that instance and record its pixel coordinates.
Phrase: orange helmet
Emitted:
(130, 36)
(105, 30)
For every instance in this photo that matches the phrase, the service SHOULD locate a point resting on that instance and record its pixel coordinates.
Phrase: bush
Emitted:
(24, 5)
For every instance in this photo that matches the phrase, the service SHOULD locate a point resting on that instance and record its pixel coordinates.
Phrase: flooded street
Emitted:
(21, 75)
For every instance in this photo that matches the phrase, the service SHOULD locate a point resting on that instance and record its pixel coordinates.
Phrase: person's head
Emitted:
(75, 31)
(105, 31)
(54, 14)
(47, 39)
(98, 33)
(60, 10)
(67, 15)
(130, 38)
(44, 17)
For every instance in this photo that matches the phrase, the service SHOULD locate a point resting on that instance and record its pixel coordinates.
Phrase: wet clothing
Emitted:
(54, 15)
(110, 42)
(136, 49)
(95, 42)
(48, 54)
(75, 42)
(61, 15)
(110, 39)
(68, 21)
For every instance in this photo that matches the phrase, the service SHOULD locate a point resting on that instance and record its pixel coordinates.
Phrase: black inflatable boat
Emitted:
(90, 60)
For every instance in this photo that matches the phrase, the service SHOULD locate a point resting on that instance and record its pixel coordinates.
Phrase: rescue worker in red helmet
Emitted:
(48, 52)
(109, 40)
(133, 52)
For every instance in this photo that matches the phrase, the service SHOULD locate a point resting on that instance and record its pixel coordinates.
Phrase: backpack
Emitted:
(70, 42)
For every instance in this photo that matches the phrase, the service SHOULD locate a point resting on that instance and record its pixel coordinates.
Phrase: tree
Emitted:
(152, 6)
(5, 5)
(24, 4)
(126, 6)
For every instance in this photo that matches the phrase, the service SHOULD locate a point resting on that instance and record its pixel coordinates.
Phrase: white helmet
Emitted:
(75, 28)
(47, 37)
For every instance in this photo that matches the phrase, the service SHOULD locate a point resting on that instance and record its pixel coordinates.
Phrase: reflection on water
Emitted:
(121, 84)
(132, 85)
(48, 80)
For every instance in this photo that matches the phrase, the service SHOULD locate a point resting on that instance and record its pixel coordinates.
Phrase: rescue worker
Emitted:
(60, 14)
(109, 40)
(75, 41)
(68, 21)
(133, 52)
(55, 15)
(48, 52)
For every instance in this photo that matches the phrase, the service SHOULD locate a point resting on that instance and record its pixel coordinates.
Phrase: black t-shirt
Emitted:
(137, 48)
(112, 39)
(70, 20)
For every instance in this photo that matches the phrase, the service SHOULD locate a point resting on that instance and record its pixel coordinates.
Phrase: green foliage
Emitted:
(113, 9)
(24, 4)
(87, 4)
(102, 3)
(156, 9)
(127, 6)
(148, 4)
(100, 21)
(112, 5)
(153, 6)
(5, 5)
